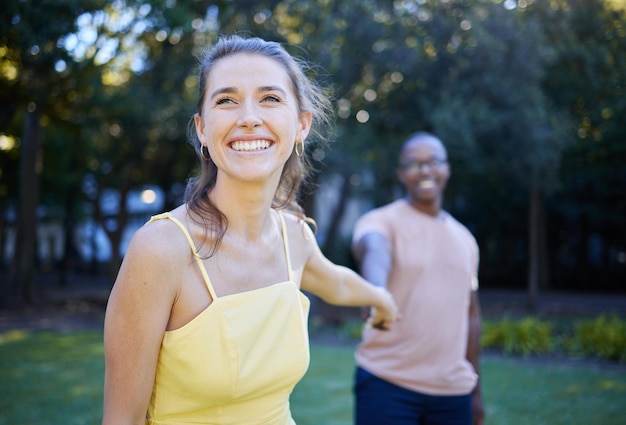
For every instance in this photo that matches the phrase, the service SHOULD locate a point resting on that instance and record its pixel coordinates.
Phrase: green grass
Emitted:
(518, 392)
(56, 379)
(324, 396)
(51, 378)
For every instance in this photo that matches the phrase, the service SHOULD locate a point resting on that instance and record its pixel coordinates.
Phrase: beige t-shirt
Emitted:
(434, 270)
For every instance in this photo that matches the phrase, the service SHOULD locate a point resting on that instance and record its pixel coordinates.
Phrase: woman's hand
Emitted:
(385, 313)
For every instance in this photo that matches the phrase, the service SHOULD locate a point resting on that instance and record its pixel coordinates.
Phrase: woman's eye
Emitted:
(271, 98)
(224, 101)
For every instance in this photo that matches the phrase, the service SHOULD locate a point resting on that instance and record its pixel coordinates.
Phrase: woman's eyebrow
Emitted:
(223, 90)
(272, 88)
(231, 90)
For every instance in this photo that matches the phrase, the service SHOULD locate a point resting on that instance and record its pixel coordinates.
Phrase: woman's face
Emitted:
(250, 119)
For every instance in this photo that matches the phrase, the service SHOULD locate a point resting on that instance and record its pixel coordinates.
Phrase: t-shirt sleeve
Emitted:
(371, 222)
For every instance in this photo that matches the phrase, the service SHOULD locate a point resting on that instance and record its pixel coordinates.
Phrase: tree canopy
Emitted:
(528, 97)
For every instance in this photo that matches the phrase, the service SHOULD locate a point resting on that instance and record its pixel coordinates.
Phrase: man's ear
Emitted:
(400, 176)
(448, 171)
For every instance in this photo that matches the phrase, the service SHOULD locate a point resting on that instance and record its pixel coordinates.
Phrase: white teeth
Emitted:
(427, 184)
(252, 145)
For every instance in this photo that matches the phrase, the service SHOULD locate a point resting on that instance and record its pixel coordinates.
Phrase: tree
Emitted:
(497, 83)
(30, 49)
(588, 79)
(490, 107)
(469, 71)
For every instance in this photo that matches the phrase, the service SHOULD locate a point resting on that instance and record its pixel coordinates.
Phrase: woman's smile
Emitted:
(249, 146)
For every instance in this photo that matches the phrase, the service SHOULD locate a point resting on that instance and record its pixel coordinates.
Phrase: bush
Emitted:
(527, 336)
(603, 337)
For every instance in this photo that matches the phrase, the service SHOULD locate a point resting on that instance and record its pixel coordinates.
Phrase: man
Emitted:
(424, 369)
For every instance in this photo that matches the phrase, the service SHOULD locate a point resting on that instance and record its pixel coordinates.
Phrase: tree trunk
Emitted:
(68, 230)
(21, 288)
(3, 240)
(70, 252)
(328, 313)
(332, 235)
(115, 262)
(583, 266)
(115, 235)
(534, 248)
(544, 254)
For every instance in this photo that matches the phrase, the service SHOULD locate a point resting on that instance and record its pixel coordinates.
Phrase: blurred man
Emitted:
(424, 370)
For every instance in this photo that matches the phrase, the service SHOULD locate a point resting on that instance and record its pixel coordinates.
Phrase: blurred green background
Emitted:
(529, 97)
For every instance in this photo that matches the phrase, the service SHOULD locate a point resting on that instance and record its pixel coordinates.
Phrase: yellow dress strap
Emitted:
(194, 251)
(285, 243)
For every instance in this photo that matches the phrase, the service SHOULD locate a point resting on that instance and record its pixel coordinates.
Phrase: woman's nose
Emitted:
(250, 117)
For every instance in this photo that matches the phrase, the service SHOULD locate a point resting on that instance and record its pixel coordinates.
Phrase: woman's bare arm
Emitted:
(340, 285)
(136, 318)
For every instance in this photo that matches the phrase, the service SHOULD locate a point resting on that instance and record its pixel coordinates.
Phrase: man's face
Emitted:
(424, 171)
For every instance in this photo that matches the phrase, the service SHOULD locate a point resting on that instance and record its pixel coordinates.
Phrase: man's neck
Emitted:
(432, 209)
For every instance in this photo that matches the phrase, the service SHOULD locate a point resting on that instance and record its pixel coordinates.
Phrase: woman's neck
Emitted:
(247, 206)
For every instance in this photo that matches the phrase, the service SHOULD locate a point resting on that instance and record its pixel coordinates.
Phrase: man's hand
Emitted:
(381, 317)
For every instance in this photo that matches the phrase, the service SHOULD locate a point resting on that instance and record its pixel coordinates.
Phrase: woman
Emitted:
(206, 323)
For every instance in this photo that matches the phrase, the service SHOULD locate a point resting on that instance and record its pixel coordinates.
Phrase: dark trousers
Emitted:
(378, 402)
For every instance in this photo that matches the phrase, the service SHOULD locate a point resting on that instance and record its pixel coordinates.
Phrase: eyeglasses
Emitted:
(415, 167)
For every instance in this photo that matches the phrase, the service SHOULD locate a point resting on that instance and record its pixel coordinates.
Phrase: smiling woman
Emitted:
(245, 115)
(306, 96)
(206, 322)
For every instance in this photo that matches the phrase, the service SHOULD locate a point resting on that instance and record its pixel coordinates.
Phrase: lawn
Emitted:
(56, 379)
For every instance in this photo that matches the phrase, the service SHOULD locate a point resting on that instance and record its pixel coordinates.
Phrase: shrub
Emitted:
(527, 336)
(603, 337)
(493, 335)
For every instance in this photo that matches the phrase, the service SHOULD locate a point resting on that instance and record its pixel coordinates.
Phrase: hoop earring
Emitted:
(206, 156)
(299, 148)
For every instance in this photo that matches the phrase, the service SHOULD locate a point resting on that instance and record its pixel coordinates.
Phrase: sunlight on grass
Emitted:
(56, 379)
(12, 336)
(51, 378)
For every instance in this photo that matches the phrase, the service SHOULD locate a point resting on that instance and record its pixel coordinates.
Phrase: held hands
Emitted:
(385, 313)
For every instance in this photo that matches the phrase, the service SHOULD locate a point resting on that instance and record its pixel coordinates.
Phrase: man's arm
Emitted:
(473, 355)
(373, 253)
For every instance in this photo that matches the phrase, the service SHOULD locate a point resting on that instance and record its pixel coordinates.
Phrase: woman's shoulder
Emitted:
(161, 238)
(301, 238)
(301, 234)
(298, 225)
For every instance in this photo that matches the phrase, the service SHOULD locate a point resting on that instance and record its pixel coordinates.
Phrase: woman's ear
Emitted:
(306, 120)
(197, 120)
